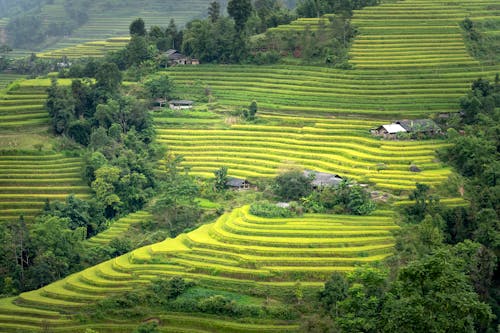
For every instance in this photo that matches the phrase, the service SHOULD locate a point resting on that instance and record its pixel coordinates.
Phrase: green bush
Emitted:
(267, 209)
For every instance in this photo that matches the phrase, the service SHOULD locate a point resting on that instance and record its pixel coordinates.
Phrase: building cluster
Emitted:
(413, 126)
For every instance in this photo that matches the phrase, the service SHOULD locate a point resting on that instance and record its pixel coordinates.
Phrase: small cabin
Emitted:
(237, 183)
(180, 104)
(174, 57)
(160, 102)
(388, 131)
(323, 179)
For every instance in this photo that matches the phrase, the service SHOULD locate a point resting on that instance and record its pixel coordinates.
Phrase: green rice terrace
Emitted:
(22, 106)
(119, 227)
(238, 252)
(28, 179)
(107, 20)
(27, 176)
(409, 60)
(89, 49)
(339, 146)
(106, 23)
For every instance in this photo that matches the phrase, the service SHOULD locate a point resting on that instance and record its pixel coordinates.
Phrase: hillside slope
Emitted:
(30, 173)
(409, 60)
(240, 252)
(108, 19)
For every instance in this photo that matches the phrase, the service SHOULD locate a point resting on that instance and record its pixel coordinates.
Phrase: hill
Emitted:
(410, 60)
(68, 23)
(239, 252)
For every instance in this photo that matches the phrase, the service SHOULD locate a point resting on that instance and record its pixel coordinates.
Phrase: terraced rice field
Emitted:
(6, 79)
(409, 60)
(238, 252)
(119, 228)
(106, 23)
(416, 34)
(340, 146)
(95, 49)
(22, 107)
(302, 24)
(28, 179)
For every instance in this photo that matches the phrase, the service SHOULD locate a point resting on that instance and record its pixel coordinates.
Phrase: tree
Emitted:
(214, 11)
(425, 203)
(159, 86)
(335, 290)
(240, 11)
(156, 33)
(210, 42)
(360, 310)
(138, 51)
(251, 112)
(292, 185)
(138, 28)
(470, 154)
(173, 34)
(106, 178)
(108, 78)
(56, 246)
(220, 178)
(61, 107)
(434, 295)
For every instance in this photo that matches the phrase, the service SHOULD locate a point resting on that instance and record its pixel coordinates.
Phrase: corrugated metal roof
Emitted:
(393, 128)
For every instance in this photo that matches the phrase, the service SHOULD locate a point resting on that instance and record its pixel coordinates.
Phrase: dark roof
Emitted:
(415, 168)
(174, 54)
(170, 51)
(419, 125)
(323, 178)
(236, 182)
(180, 102)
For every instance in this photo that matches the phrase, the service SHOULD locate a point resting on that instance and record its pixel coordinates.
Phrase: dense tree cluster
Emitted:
(118, 132)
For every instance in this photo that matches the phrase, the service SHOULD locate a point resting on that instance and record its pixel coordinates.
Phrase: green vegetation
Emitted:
(127, 217)
(251, 150)
(88, 49)
(265, 255)
(65, 23)
(28, 179)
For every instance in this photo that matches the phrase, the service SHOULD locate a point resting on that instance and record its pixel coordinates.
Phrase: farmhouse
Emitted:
(389, 130)
(420, 126)
(180, 104)
(323, 179)
(160, 102)
(174, 57)
(237, 183)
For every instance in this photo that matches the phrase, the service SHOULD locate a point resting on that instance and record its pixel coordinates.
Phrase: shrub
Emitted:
(267, 209)
(292, 185)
